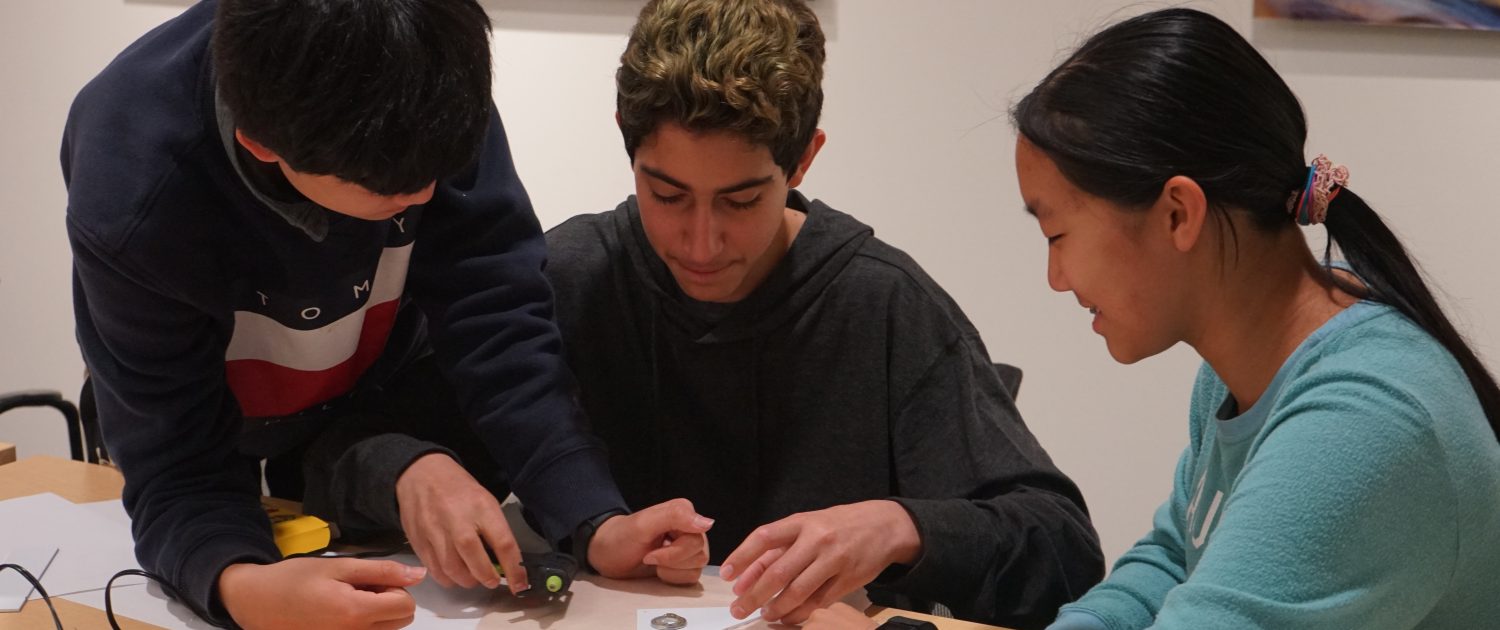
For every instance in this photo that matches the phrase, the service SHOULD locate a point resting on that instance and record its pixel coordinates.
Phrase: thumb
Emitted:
(676, 515)
(377, 573)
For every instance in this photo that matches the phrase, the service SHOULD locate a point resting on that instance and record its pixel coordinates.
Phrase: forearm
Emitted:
(1011, 560)
(477, 273)
(189, 526)
(354, 484)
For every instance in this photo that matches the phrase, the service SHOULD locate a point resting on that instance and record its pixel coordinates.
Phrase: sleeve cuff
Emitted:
(1078, 620)
(390, 458)
(939, 523)
(571, 490)
(198, 577)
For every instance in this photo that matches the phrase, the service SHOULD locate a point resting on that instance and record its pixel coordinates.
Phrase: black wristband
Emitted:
(906, 623)
(585, 534)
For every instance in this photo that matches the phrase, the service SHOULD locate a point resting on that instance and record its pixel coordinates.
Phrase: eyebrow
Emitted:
(733, 188)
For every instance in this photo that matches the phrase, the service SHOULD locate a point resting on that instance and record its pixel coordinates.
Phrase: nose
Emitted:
(417, 198)
(704, 235)
(1055, 277)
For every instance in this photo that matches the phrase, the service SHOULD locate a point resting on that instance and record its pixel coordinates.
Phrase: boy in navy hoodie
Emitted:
(298, 236)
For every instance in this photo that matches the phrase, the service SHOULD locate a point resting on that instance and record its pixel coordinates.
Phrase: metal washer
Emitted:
(669, 621)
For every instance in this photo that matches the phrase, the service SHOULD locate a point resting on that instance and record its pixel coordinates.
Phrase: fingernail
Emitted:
(649, 561)
(703, 522)
(416, 573)
(737, 612)
(727, 572)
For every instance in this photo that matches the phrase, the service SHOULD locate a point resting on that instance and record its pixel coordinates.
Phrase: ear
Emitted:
(1184, 209)
(619, 122)
(255, 148)
(807, 158)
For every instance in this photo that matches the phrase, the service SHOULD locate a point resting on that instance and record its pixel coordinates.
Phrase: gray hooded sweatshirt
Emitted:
(847, 375)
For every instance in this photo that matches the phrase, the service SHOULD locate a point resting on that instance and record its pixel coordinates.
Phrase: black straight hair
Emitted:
(387, 94)
(1179, 92)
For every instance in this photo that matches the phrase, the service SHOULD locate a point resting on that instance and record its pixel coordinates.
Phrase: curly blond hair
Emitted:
(753, 67)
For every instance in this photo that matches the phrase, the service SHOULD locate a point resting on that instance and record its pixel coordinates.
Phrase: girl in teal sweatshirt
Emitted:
(1343, 469)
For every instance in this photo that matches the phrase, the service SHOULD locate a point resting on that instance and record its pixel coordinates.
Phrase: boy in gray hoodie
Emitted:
(797, 379)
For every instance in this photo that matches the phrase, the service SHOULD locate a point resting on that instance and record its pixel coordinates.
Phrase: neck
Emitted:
(1264, 306)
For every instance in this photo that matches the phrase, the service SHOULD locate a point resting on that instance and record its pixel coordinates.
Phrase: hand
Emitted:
(666, 539)
(333, 593)
(816, 558)
(839, 616)
(449, 519)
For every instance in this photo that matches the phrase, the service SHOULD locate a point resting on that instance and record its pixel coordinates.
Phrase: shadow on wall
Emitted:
(609, 17)
(1331, 48)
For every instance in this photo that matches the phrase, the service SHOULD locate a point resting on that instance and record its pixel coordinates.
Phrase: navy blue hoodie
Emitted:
(199, 305)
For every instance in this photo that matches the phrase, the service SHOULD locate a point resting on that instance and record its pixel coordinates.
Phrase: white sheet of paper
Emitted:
(15, 589)
(91, 546)
(145, 603)
(595, 603)
(113, 509)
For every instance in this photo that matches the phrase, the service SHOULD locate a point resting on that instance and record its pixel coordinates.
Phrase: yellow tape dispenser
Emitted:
(295, 532)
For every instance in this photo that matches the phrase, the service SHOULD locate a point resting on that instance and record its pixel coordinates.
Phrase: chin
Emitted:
(703, 294)
(1123, 354)
(1129, 354)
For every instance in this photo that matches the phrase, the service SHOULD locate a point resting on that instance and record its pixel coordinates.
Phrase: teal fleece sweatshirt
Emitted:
(1361, 491)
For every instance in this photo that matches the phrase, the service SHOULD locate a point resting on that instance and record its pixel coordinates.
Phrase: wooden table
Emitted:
(77, 482)
(82, 483)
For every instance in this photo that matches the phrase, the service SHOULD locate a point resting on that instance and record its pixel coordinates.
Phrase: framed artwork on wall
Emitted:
(1459, 14)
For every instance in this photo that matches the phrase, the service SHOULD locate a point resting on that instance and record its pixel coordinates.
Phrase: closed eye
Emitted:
(667, 199)
(743, 205)
(1053, 239)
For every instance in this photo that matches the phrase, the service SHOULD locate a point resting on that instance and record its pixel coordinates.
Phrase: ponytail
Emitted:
(1392, 277)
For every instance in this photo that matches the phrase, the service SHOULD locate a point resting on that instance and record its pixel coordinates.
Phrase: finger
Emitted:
(814, 578)
(390, 605)
(676, 515)
(366, 573)
(498, 536)
(758, 568)
(471, 551)
(687, 552)
(425, 555)
(778, 575)
(453, 566)
(679, 577)
(766, 537)
(820, 599)
(393, 625)
(429, 552)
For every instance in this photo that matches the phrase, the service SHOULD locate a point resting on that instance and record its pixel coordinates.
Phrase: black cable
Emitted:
(109, 607)
(40, 591)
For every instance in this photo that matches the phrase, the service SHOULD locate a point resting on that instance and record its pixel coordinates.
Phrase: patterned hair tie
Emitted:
(1309, 206)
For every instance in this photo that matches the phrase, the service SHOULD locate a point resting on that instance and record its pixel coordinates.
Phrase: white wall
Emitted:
(919, 148)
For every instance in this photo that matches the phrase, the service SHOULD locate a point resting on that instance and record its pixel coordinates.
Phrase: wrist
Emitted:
(906, 542)
(232, 581)
(584, 536)
(417, 471)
